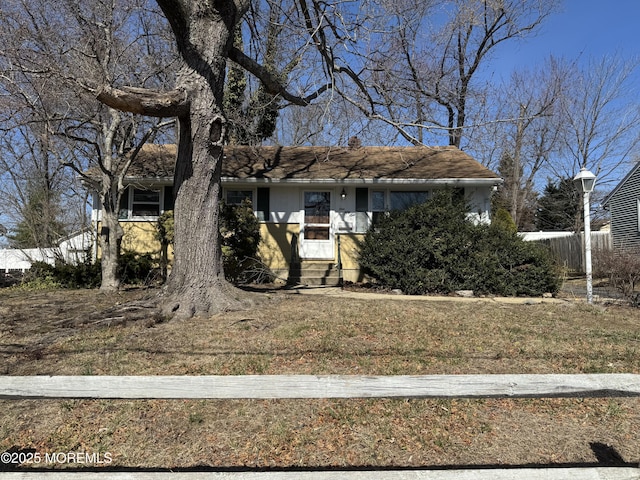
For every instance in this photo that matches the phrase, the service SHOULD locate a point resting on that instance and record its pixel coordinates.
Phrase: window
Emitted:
(362, 209)
(378, 205)
(259, 200)
(143, 203)
(146, 203)
(236, 197)
(405, 200)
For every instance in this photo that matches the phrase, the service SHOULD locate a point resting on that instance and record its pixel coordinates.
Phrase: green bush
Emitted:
(135, 268)
(240, 236)
(435, 248)
(63, 275)
(504, 220)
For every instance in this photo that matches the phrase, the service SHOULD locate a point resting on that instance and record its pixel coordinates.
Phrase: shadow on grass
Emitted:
(606, 455)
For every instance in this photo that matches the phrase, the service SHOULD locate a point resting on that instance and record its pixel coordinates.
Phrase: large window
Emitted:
(380, 202)
(146, 203)
(236, 197)
(140, 203)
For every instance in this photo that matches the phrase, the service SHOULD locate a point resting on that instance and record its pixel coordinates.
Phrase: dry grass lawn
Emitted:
(58, 332)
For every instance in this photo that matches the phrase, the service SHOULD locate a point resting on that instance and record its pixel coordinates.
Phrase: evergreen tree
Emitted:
(40, 226)
(559, 207)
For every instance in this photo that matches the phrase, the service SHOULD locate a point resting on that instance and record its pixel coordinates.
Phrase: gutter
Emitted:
(490, 182)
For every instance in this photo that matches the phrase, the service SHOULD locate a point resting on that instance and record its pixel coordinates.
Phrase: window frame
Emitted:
(129, 196)
(227, 191)
(257, 197)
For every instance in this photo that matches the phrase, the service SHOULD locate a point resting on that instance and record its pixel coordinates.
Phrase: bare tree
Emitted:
(53, 58)
(600, 115)
(203, 33)
(525, 135)
(556, 119)
(32, 188)
(417, 71)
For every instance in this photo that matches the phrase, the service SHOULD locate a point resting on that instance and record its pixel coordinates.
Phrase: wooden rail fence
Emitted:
(328, 386)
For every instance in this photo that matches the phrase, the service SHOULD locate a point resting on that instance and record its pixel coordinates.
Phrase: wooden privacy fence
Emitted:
(327, 386)
(569, 250)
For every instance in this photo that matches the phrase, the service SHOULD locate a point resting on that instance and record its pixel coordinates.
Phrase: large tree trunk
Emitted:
(197, 285)
(111, 234)
(203, 30)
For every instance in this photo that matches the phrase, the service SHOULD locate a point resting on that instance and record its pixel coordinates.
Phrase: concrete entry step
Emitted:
(314, 273)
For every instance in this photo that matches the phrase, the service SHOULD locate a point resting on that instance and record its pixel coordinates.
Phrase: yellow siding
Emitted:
(349, 248)
(140, 237)
(279, 242)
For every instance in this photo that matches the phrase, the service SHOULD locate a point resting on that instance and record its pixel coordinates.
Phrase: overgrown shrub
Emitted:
(240, 237)
(135, 268)
(63, 275)
(435, 248)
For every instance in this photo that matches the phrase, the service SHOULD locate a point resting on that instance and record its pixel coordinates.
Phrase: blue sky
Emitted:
(582, 29)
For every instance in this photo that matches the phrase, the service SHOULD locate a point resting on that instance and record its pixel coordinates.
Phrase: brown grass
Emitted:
(321, 335)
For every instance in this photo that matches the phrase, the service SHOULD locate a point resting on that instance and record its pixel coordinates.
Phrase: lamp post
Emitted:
(585, 182)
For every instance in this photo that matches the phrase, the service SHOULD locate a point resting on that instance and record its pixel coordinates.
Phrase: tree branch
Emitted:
(270, 82)
(144, 101)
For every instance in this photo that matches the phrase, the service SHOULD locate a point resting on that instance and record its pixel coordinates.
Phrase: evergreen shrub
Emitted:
(135, 268)
(434, 247)
(63, 275)
(240, 237)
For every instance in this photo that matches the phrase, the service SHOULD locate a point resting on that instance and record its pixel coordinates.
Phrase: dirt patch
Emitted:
(58, 332)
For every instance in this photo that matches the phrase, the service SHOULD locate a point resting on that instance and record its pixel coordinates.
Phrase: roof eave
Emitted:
(370, 181)
(148, 180)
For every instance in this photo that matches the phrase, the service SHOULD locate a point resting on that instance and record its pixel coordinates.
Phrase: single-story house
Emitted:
(314, 204)
(623, 204)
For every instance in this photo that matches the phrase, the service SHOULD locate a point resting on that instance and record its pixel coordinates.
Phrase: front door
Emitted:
(316, 232)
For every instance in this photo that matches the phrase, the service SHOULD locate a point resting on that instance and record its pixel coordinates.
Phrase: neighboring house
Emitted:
(623, 204)
(314, 203)
(72, 249)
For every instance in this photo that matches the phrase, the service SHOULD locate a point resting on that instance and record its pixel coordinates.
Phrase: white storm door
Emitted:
(316, 230)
